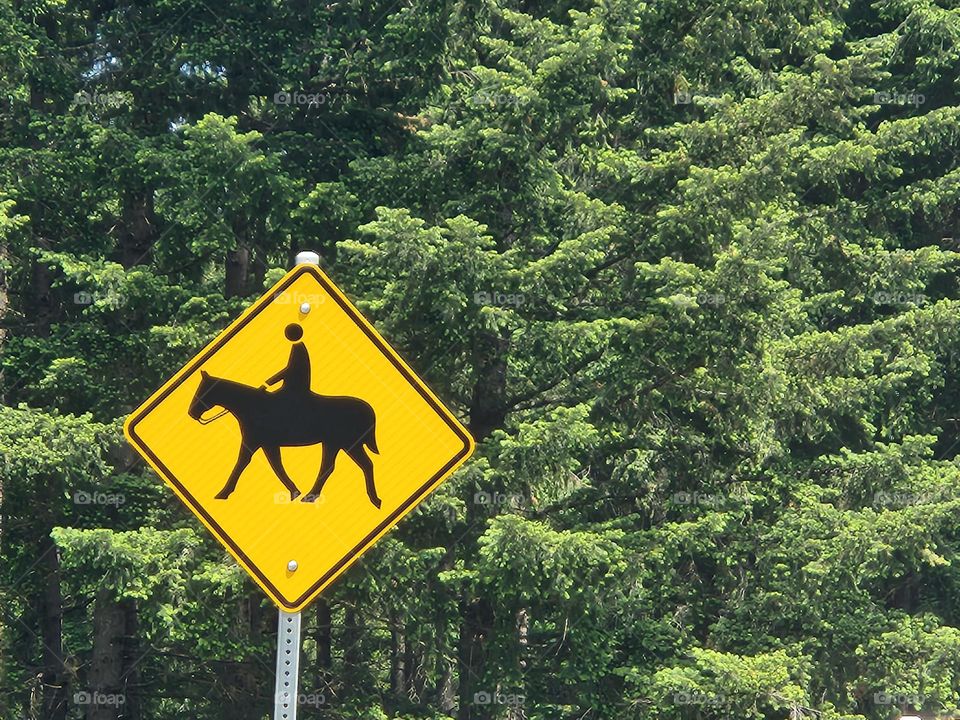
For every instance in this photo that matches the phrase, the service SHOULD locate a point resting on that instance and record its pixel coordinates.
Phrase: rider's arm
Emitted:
(274, 379)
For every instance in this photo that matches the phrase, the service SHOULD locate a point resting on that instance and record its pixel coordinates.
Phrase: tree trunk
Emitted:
(4, 708)
(23, 640)
(4, 304)
(488, 407)
(443, 669)
(445, 693)
(523, 637)
(351, 641)
(54, 675)
(475, 630)
(397, 655)
(518, 712)
(412, 687)
(258, 271)
(237, 272)
(243, 683)
(104, 698)
(324, 641)
(487, 412)
(355, 677)
(132, 654)
(40, 307)
(137, 228)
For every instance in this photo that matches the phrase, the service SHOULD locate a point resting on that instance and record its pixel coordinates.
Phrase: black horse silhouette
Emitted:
(270, 421)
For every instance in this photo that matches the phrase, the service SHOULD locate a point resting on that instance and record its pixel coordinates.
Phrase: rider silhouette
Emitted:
(296, 375)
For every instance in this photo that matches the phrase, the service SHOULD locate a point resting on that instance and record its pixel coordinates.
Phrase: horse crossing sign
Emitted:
(299, 437)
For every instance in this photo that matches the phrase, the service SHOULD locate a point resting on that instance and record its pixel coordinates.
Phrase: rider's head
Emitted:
(294, 332)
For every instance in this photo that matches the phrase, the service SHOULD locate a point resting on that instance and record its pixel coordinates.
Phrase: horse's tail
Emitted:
(370, 439)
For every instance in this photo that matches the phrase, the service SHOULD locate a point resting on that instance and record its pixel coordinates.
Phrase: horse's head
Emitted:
(201, 400)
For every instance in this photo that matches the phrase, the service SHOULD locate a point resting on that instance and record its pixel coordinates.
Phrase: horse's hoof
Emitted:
(222, 495)
(377, 502)
(294, 495)
(309, 498)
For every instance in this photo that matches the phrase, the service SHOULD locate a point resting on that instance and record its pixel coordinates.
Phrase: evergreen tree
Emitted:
(687, 270)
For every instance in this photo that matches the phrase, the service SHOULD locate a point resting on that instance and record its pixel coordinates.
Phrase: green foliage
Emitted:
(688, 271)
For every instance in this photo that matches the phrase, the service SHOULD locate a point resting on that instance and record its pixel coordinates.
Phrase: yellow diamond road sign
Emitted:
(298, 437)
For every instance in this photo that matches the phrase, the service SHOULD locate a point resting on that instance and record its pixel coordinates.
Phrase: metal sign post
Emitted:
(287, 694)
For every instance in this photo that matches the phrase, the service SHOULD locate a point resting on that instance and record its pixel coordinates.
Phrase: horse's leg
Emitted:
(360, 457)
(273, 457)
(246, 452)
(326, 469)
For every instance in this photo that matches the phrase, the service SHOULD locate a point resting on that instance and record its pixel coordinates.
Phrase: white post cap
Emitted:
(307, 257)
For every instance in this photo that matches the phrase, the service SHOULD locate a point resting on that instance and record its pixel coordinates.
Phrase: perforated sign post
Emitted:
(298, 437)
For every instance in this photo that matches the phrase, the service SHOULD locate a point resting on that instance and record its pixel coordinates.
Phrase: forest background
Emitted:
(687, 270)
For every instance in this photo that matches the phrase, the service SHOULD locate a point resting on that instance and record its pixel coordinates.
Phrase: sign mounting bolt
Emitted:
(292, 566)
(305, 308)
